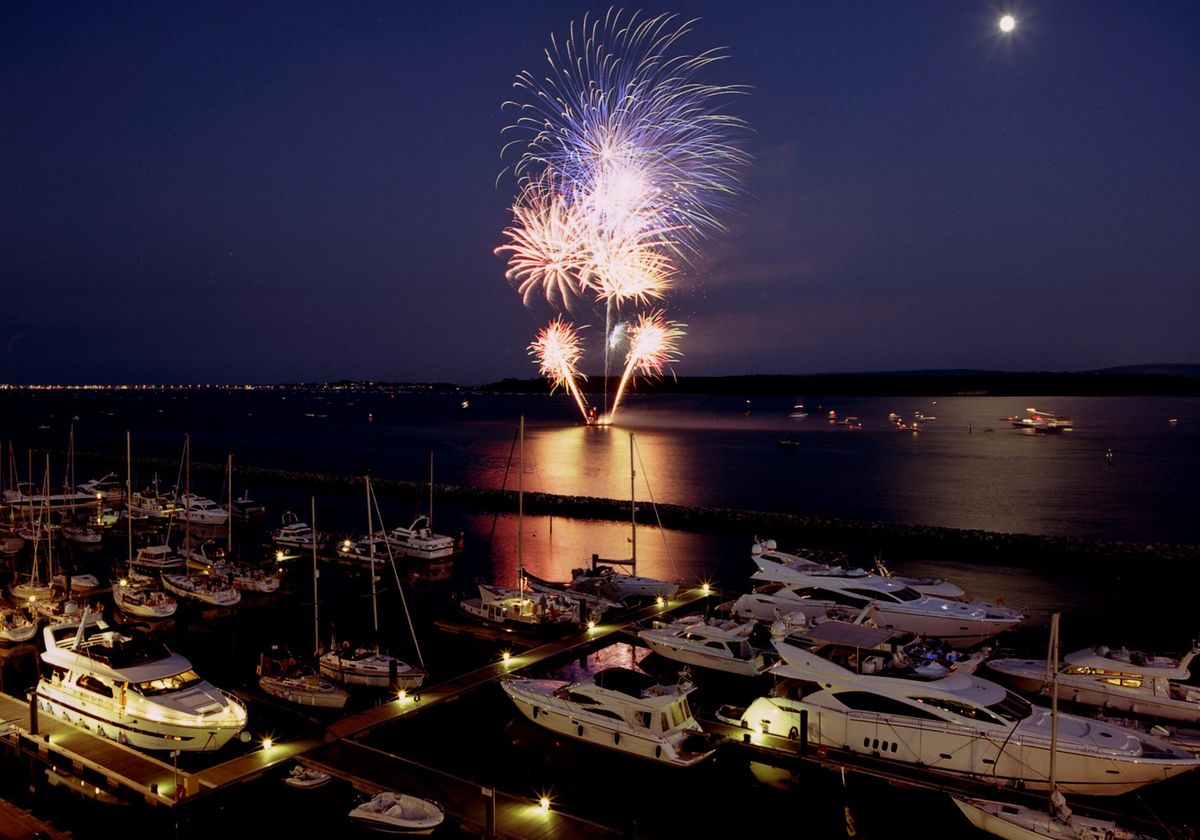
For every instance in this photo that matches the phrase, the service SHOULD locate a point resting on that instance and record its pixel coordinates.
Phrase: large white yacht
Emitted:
(837, 564)
(419, 541)
(617, 708)
(199, 510)
(1115, 679)
(894, 605)
(294, 534)
(122, 684)
(958, 724)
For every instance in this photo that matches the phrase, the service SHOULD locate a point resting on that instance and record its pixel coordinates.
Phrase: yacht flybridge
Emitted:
(122, 684)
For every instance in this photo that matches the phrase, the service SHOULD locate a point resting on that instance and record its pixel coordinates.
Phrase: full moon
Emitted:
(1008, 23)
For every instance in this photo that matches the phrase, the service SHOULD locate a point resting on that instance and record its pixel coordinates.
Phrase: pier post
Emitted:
(33, 714)
(489, 813)
(804, 732)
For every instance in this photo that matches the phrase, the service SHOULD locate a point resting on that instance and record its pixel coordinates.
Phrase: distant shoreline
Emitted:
(1143, 380)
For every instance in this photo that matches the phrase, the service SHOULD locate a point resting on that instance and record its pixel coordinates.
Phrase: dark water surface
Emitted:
(964, 470)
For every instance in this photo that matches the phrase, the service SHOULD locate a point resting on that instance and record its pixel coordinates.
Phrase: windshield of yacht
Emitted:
(178, 682)
(1012, 708)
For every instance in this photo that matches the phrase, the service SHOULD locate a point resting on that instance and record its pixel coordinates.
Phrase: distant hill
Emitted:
(1145, 380)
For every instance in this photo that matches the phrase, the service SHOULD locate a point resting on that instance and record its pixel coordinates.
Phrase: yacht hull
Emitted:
(1003, 759)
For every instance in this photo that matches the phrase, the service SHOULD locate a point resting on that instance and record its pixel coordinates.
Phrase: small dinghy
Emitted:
(398, 813)
(306, 777)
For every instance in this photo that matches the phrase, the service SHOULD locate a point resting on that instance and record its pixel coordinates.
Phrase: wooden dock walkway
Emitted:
(161, 783)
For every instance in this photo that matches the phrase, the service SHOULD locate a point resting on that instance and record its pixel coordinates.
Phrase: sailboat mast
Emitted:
(129, 497)
(316, 574)
(520, 499)
(632, 507)
(187, 491)
(229, 507)
(371, 549)
(430, 522)
(1053, 656)
(49, 530)
(71, 465)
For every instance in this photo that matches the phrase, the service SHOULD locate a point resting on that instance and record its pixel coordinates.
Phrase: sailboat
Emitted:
(34, 587)
(368, 665)
(516, 607)
(282, 675)
(205, 588)
(1056, 821)
(604, 579)
(418, 540)
(135, 593)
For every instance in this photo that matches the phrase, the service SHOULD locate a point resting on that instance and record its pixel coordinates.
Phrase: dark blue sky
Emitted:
(253, 192)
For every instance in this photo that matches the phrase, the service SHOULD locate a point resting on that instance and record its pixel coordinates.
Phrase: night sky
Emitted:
(264, 192)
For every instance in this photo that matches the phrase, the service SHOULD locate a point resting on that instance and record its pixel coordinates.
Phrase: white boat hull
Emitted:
(563, 719)
(76, 707)
(1017, 822)
(679, 653)
(305, 692)
(1005, 760)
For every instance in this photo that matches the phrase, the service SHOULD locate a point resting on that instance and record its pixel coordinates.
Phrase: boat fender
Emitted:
(580, 730)
(658, 751)
(616, 737)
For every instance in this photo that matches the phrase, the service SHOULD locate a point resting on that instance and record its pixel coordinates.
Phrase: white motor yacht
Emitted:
(957, 724)
(837, 565)
(120, 683)
(1115, 679)
(419, 541)
(371, 551)
(152, 559)
(199, 510)
(149, 503)
(619, 709)
(895, 605)
(109, 489)
(296, 534)
(742, 648)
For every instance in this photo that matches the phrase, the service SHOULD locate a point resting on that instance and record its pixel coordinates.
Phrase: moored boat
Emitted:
(398, 813)
(122, 684)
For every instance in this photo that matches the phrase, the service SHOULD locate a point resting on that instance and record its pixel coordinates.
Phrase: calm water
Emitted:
(966, 469)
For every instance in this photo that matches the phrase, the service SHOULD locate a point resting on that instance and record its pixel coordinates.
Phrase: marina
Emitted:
(404, 737)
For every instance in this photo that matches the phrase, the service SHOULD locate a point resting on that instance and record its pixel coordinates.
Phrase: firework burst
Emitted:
(653, 344)
(557, 349)
(624, 159)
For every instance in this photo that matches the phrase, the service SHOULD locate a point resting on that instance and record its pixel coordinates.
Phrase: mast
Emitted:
(187, 491)
(1053, 656)
(632, 507)
(316, 574)
(430, 522)
(129, 497)
(229, 509)
(371, 551)
(71, 466)
(520, 503)
(49, 530)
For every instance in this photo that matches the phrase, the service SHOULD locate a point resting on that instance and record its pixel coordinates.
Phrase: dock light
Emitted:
(346, 545)
(706, 588)
(1008, 23)
(279, 556)
(505, 656)
(659, 600)
(591, 625)
(402, 696)
(267, 743)
(123, 582)
(544, 803)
